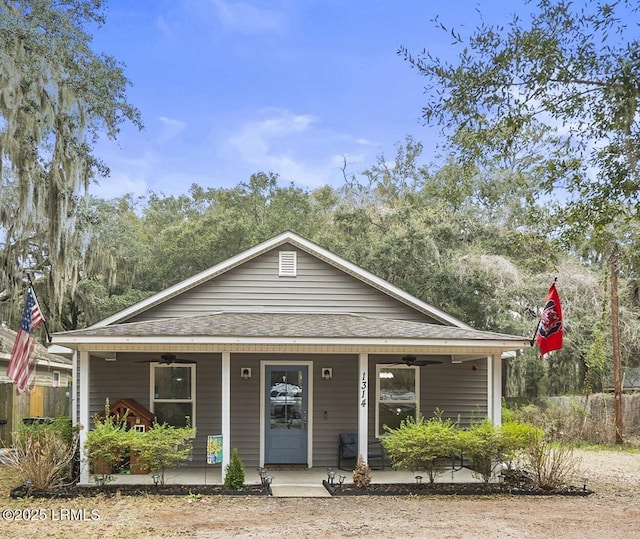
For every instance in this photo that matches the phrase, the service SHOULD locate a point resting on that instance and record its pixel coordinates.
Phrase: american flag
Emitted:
(21, 367)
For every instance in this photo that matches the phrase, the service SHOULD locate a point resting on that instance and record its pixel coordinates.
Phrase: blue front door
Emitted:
(286, 414)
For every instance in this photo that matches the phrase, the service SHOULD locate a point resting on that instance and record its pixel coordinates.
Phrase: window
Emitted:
(173, 394)
(396, 396)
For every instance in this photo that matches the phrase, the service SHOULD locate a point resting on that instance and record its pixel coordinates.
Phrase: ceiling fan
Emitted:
(413, 361)
(169, 359)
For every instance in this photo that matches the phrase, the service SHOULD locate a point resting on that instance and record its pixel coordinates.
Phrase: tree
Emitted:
(57, 96)
(575, 73)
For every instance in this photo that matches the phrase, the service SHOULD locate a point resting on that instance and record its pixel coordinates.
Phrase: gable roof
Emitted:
(302, 244)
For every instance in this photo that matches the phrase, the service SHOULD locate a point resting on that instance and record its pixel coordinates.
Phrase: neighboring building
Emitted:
(48, 398)
(281, 348)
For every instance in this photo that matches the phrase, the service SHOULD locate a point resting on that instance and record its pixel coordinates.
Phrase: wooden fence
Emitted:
(42, 402)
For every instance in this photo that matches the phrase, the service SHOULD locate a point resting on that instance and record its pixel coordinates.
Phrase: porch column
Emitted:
(494, 389)
(83, 413)
(363, 405)
(226, 411)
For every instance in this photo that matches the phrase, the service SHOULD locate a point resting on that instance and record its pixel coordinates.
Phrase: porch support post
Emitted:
(83, 414)
(226, 411)
(363, 406)
(494, 389)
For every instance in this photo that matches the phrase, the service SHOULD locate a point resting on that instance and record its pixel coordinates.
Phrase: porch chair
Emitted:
(348, 451)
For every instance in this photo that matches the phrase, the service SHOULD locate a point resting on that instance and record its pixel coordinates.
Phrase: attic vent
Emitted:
(288, 264)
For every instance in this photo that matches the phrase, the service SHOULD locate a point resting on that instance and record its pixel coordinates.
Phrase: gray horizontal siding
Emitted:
(336, 406)
(256, 286)
(126, 378)
(455, 389)
(245, 410)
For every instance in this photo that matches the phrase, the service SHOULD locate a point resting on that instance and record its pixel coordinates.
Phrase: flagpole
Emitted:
(535, 334)
(44, 322)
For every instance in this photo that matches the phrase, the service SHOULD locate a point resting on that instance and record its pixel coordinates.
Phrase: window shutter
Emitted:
(288, 264)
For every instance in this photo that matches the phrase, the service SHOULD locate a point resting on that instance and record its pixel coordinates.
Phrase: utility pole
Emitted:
(615, 344)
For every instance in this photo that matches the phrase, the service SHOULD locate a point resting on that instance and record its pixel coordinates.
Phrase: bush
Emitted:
(481, 443)
(361, 474)
(163, 446)
(107, 442)
(516, 437)
(234, 472)
(42, 454)
(551, 465)
(417, 444)
(488, 446)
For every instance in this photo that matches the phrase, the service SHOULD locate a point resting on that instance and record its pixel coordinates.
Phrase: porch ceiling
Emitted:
(236, 331)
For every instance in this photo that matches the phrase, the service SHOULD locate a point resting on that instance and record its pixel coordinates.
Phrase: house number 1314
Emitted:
(363, 388)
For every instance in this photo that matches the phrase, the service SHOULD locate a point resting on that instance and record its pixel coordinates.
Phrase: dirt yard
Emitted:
(613, 511)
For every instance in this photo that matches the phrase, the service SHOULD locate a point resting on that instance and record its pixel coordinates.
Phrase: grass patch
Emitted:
(632, 449)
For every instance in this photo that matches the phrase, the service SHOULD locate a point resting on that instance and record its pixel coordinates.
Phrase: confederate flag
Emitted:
(550, 331)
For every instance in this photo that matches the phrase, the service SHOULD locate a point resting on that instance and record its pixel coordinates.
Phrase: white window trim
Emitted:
(416, 400)
(192, 400)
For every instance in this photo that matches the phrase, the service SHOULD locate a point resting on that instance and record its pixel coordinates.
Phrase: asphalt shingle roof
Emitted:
(289, 325)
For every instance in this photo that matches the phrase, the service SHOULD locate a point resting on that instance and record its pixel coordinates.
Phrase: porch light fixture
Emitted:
(245, 373)
(327, 373)
(156, 479)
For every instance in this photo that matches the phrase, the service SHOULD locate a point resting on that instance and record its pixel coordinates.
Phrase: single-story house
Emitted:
(281, 348)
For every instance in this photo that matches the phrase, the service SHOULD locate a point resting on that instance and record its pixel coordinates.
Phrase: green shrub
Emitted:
(488, 446)
(417, 444)
(163, 446)
(516, 437)
(107, 442)
(234, 472)
(481, 443)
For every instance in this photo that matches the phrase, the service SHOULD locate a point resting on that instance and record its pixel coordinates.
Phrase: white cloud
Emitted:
(269, 144)
(294, 147)
(119, 183)
(247, 18)
(164, 27)
(170, 128)
(255, 140)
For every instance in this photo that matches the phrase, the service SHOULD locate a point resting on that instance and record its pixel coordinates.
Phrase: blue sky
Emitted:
(228, 88)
